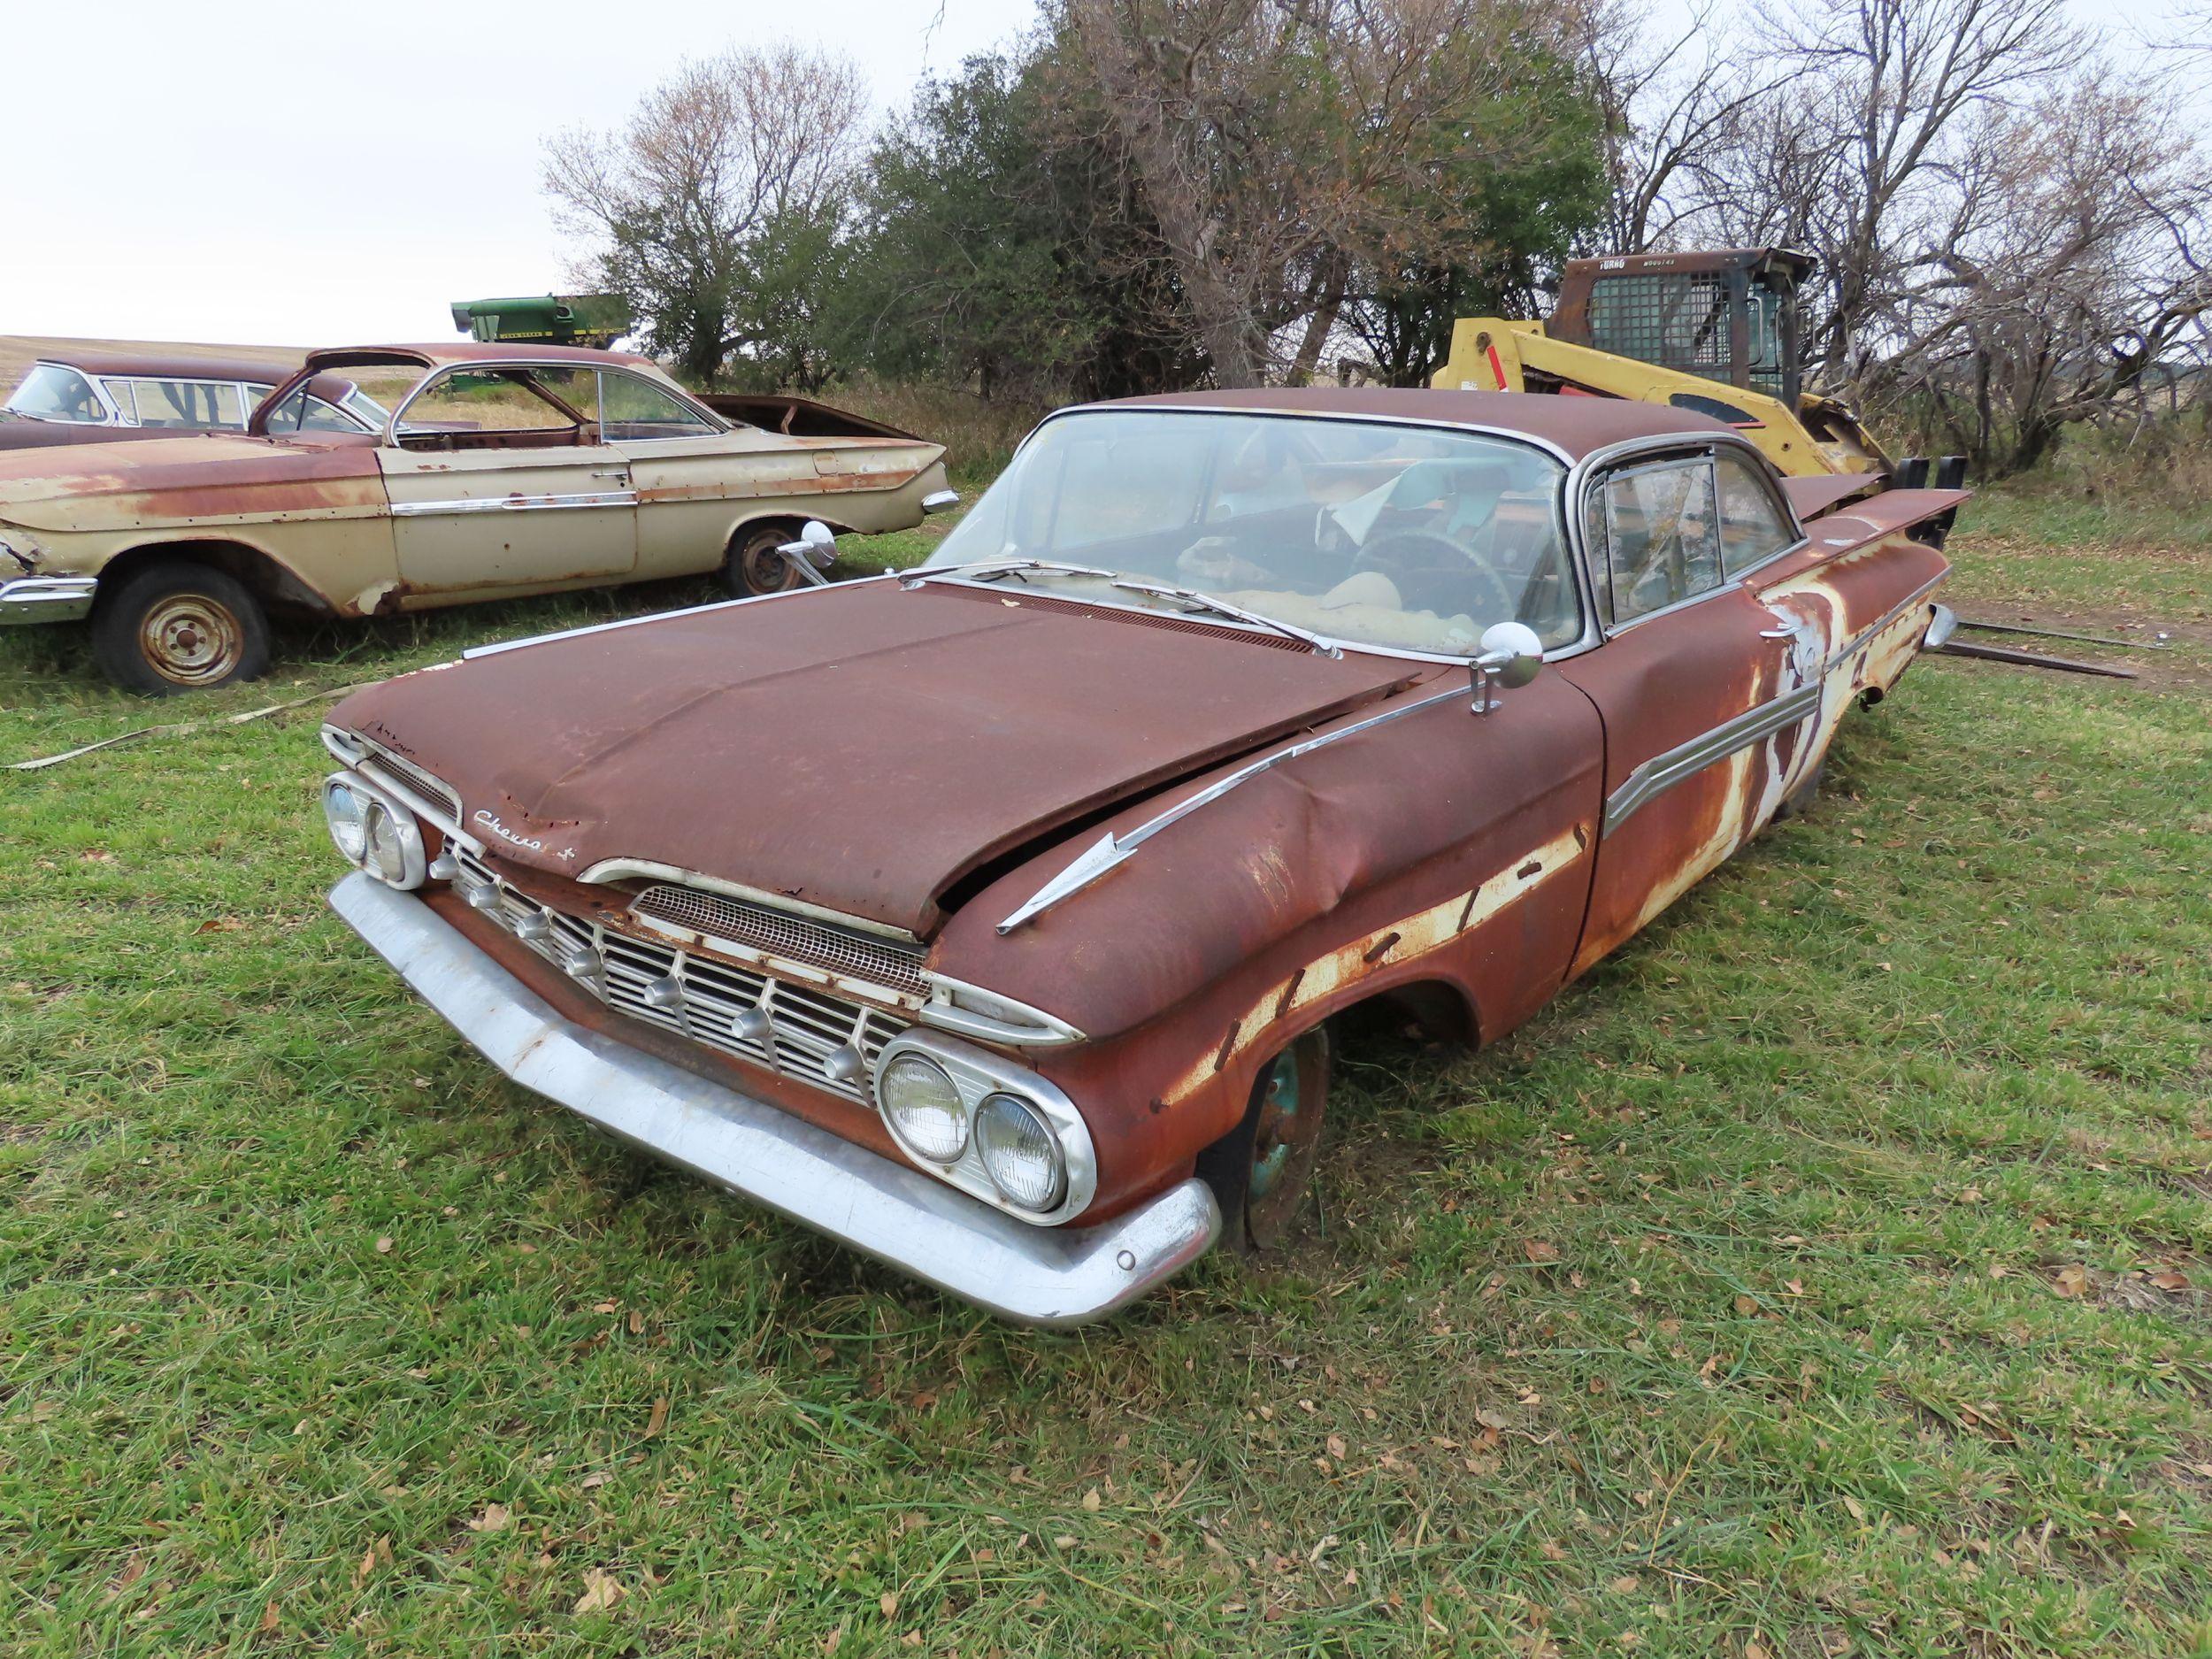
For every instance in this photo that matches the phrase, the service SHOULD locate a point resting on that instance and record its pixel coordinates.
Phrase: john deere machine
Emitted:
(1715, 331)
(549, 319)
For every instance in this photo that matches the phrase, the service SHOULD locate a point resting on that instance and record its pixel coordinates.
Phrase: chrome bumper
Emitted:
(47, 598)
(1049, 1276)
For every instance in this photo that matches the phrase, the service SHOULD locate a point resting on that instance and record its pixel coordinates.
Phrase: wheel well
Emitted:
(261, 576)
(1439, 1010)
(746, 526)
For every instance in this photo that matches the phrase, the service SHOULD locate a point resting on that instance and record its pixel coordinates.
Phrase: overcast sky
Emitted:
(315, 174)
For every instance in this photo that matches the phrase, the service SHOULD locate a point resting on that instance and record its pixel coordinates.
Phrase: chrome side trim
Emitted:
(1110, 849)
(515, 503)
(1662, 772)
(48, 598)
(1029, 1274)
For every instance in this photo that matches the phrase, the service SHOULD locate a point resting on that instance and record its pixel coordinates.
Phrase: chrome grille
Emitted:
(773, 933)
(803, 1033)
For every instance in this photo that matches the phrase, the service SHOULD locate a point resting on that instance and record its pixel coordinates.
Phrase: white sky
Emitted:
(309, 173)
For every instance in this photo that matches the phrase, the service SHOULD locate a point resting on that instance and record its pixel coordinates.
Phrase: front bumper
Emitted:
(1047, 1275)
(47, 598)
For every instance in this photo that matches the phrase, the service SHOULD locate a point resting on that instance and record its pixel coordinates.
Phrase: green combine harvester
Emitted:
(551, 319)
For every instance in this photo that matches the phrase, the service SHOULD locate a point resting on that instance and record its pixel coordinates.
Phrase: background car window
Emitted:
(120, 394)
(186, 405)
(631, 409)
(1661, 542)
(50, 392)
(1753, 527)
(302, 413)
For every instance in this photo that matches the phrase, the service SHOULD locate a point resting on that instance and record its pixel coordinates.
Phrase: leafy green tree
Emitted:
(997, 250)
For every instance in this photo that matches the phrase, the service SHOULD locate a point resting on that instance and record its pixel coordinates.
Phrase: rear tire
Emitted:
(753, 566)
(1260, 1170)
(178, 627)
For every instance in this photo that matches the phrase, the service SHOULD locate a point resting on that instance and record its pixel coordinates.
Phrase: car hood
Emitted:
(862, 749)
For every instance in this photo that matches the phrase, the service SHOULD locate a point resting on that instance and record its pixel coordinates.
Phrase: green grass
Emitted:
(1716, 1311)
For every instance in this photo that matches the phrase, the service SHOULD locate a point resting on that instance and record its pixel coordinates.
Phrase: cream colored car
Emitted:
(501, 470)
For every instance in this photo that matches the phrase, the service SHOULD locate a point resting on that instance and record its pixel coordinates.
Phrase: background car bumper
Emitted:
(47, 598)
(1055, 1276)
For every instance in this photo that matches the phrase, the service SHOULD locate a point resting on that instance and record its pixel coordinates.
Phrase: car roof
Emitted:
(444, 352)
(176, 366)
(1574, 426)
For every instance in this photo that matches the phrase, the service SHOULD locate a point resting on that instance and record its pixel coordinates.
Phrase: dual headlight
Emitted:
(375, 831)
(986, 1126)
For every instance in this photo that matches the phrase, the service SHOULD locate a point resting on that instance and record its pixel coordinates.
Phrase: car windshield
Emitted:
(51, 392)
(1409, 537)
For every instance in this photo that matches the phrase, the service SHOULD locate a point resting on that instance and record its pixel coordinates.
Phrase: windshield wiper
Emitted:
(982, 570)
(1223, 608)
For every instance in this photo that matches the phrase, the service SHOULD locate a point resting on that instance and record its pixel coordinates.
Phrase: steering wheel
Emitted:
(1419, 561)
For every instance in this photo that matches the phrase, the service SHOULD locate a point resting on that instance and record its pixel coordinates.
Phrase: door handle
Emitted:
(611, 472)
(1777, 634)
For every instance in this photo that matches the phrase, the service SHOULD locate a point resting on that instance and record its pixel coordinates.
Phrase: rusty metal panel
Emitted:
(783, 728)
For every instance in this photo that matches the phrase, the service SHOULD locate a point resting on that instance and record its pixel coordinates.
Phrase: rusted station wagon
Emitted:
(990, 917)
(493, 472)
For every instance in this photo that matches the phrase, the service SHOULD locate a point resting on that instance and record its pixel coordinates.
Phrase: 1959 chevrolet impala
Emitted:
(437, 475)
(990, 917)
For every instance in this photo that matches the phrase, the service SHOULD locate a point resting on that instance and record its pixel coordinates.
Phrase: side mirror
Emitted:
(940, 500)
(814, 551)
(1511, 656)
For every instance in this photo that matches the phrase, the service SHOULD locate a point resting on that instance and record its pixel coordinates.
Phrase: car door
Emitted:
(687, 472)
(1703, 691)
(495, 486)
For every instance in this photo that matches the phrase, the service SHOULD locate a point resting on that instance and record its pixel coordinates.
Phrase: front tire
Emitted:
(1260, 1171)
(753, 566)
(178, 627)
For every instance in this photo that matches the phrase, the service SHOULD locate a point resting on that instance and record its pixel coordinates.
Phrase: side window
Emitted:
(632, 409)
(188, 405)
(493, 404)
(120, 394)
(1661, 543)
(1753, 527)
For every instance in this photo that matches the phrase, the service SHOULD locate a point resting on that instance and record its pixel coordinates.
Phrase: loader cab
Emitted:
(1727, 314)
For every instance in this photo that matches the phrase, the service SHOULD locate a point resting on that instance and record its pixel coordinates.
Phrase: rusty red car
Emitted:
(993, 916)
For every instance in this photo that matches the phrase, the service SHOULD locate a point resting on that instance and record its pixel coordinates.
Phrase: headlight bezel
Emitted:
(977, 1073)
(996, 1108)
(409, 864)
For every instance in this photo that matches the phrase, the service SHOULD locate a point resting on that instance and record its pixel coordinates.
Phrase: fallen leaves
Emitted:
(601, 1592)
(2071, 1281)
(494, 1518)
(1540, 1251)
(658, 1419)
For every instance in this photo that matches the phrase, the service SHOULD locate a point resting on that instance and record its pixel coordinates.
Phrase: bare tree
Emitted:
(726, 169)
(1898, 81)
(1278, 144)
(1670, 108)
(2073, 278)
